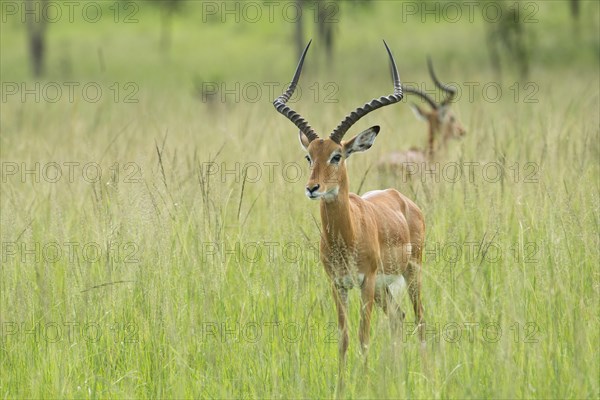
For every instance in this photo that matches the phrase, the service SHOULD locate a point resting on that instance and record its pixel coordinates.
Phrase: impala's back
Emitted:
(400, 228)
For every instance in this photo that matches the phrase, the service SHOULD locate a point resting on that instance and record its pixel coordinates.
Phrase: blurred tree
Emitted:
(506, 33)
(574, 5)
(325, 15)
(575, 9)
(168, 9)
(36, 33)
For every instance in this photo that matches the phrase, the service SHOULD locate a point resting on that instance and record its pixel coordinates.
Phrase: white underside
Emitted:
(396, 284)
(397, 288)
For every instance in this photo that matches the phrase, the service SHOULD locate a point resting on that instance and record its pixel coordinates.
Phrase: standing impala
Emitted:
(371, 242)
(441, 121)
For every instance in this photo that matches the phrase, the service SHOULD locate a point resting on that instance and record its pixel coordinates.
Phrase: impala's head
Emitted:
(327, 157)
(441, 119)
(327, 161)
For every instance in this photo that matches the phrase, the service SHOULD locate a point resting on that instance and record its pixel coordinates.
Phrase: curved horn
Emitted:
(422, 95)
(290, 114)
(448, 89)
(353, 117)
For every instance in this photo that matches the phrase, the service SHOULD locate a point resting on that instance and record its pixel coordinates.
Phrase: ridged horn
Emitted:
(451, 92)
(280, 102)
(339, 132)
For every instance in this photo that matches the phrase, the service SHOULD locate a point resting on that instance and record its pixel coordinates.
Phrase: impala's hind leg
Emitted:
(413, 278)
(394, 293)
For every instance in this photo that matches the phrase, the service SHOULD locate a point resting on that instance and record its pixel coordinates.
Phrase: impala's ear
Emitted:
(361, 142)
(303, 140)
(418, 111)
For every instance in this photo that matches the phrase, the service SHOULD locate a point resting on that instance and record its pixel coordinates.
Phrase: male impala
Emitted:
(441, 120)
(371, 242)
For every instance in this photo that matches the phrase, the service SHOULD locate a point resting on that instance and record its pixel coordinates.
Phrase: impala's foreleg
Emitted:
(368, 298)
(340, 295)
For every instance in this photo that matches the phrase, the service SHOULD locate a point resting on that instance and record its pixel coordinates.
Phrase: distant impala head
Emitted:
(440, 118)
(327, 156)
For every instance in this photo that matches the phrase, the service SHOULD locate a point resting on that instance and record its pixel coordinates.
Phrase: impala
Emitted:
(373, 242)
(441, 121)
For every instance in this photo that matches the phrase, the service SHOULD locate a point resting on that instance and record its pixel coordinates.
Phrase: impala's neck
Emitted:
(336, 218)
(445, 136)
(430, 141)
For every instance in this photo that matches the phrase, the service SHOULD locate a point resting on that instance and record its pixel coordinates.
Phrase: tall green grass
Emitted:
(207, 282)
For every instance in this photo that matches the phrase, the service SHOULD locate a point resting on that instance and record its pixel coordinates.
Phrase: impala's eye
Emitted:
(336, 159)
(307, 158)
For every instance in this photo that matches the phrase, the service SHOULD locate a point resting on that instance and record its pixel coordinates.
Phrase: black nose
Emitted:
(313, 189)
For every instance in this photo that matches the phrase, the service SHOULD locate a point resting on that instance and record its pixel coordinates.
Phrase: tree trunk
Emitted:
(575, 9)
(36, 32)
(325, 28)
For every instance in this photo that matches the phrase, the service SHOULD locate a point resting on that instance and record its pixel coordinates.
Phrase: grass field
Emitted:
(155, 245)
